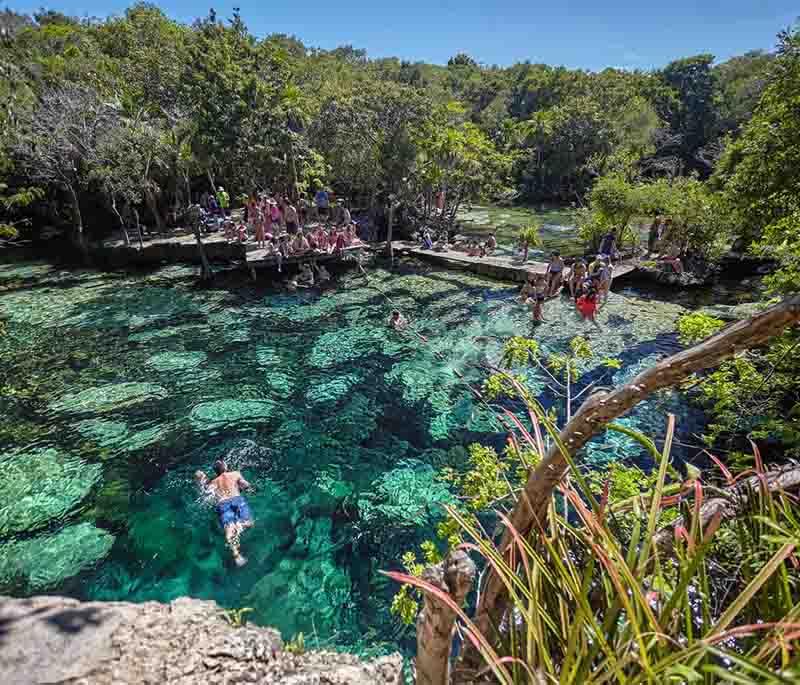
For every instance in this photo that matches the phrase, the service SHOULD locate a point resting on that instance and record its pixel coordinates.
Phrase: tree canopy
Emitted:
(210, 103)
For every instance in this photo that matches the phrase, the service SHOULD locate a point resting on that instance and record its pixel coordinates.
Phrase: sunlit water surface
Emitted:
(117, 387)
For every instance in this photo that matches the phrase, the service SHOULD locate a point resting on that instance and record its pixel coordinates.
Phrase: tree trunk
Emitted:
(735, 500)
(122, 225)
(211, 181)
(206, 273)
(389, 246)
(138, 228)
(152, 205)
(596, 412)
(436, 621)
(78, 236)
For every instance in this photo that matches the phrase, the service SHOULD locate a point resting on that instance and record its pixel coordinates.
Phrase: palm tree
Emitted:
(529, 237)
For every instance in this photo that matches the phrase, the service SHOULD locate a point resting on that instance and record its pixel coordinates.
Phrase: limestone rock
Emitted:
(54, 639)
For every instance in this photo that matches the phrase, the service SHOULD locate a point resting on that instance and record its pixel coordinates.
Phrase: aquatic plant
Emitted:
(407, 496)
(695, 326)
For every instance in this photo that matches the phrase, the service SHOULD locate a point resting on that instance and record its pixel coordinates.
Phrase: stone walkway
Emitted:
(496, 266)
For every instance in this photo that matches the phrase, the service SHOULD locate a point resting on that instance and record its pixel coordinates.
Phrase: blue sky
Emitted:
(589, 34)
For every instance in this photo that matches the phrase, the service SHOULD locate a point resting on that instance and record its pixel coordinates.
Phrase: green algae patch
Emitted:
(41, 486)
(44, 562)
(229, 413)
(167, 362)
(108, 398)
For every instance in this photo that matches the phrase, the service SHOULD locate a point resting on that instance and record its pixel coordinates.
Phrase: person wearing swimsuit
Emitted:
(555, 271)
(233, 511)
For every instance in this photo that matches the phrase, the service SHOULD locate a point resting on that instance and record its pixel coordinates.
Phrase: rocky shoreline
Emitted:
(61, 640)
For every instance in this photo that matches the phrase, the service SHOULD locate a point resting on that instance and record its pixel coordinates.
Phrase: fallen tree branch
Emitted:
(595, 413)
(734, 501)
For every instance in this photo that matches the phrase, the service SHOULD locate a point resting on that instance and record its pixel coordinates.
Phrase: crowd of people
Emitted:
(283, 230)
(588, 284)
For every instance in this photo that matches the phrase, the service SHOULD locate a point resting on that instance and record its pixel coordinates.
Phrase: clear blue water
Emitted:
(116, 387)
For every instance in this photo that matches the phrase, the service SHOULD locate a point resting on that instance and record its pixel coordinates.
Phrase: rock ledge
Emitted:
(60, 640)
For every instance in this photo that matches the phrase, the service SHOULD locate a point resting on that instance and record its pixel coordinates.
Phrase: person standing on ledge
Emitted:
(233, 511)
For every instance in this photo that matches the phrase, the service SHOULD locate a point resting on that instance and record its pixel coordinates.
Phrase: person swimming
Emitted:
(233, 511)
(397, 321)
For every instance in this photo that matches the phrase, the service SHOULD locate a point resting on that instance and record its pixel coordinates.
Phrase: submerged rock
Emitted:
(222, 413)
(108, 398)
(176, 361)
(330, 392)
(44, 562)
(103, 433)
(41, 485)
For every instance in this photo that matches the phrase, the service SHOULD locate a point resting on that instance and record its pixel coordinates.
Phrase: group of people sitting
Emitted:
(471, 246)
(278, 227)
(589, 285)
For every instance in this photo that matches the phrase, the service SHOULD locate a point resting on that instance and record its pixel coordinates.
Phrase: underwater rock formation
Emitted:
(43, 562)
(221, 413)
(40, 486)
(108, 398)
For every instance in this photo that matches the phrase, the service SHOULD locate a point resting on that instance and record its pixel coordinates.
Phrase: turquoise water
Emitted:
(116, 387)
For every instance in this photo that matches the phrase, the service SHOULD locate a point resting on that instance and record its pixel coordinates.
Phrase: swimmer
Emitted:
(587, 305)
(305, 278)
(232, 509)
(397, 321)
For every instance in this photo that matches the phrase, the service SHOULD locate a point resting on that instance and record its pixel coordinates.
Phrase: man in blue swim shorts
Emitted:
(232, 509)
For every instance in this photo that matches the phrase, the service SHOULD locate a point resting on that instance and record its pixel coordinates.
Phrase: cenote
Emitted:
(116, 387)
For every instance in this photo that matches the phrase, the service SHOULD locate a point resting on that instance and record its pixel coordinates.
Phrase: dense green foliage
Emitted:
(621, 584)
(174, 109)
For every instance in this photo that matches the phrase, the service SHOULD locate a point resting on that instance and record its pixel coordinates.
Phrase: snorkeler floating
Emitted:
(233, 511)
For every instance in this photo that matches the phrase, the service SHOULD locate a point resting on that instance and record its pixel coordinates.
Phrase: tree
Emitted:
(529, 237)
(692, 115)
(60, 139)
(457, 158)
(760, 172)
